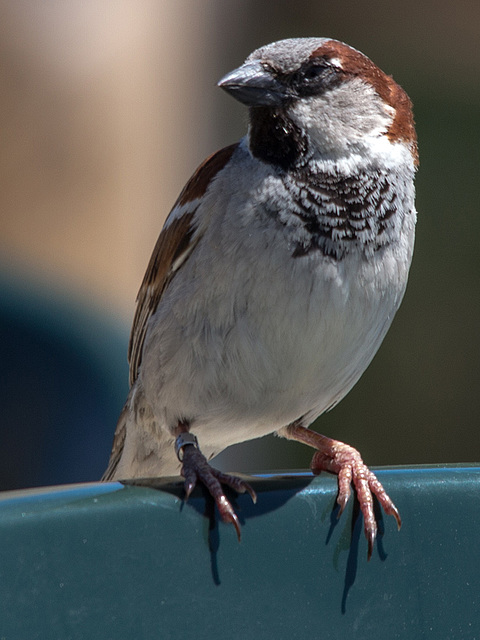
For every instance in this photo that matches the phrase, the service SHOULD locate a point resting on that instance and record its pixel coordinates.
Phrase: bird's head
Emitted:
(319, 98)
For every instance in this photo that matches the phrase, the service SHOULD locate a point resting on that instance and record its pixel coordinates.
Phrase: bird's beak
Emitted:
(254, 85)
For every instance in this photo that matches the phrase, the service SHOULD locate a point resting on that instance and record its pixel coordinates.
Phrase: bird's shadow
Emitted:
(280, 488)
(356, 531)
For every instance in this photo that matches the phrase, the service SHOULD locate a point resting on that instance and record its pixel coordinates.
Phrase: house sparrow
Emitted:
(277, 274)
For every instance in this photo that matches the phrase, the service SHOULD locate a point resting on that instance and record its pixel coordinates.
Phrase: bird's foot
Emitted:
(195, 468)
(345, 461)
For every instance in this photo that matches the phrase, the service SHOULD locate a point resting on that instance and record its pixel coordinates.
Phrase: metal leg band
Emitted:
(183, 439)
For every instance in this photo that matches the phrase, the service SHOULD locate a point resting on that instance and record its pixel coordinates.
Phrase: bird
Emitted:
(276, 275)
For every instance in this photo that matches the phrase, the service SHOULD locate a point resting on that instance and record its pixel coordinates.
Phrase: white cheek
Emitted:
(344, 116)
(391, 154)
(313, 117)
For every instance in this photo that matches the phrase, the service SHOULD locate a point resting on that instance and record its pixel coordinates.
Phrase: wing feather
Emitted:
(174, 245)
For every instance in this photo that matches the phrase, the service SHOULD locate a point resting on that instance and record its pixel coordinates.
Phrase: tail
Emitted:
(117, 447)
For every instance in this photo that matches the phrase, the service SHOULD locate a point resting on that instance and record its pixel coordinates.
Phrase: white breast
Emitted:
(248, 339)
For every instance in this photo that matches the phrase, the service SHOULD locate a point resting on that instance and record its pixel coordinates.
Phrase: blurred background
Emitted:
(106, 109)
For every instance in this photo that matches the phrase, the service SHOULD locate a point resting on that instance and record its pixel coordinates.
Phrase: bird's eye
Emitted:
(313, 71)
(314, 77)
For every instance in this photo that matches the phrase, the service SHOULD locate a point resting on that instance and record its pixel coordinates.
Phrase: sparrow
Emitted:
(276, 276)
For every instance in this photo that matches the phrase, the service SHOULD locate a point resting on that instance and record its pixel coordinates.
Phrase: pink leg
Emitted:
(345, 461)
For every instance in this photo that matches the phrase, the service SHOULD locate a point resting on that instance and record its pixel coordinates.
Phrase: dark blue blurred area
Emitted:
(63, 382)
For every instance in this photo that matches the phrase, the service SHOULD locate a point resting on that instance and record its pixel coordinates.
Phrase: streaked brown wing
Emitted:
(173, 248)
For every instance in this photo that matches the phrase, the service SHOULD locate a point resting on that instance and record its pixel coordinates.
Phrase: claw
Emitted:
(342, 503)
(189, 487)
(366, 485)
(346, 462)
(251, 492)
(229, 515)
(395, 513)
(196, 469)
(371, 535)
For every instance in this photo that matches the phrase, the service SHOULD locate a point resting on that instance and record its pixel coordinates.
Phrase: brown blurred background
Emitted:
(106, 109)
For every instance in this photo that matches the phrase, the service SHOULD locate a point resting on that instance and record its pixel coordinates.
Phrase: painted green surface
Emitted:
(129, 562)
